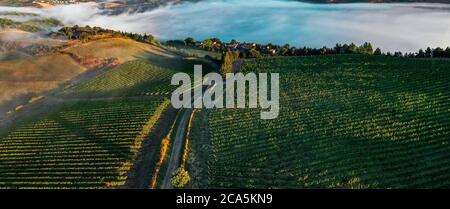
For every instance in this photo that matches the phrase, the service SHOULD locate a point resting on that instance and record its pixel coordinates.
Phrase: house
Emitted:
(233, 45)
(247, 46)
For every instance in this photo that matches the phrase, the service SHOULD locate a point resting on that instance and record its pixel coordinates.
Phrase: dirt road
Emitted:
(174, 162)
(180, 136)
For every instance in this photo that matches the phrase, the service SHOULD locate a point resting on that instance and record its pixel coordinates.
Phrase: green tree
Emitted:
(421, 54)
(439, 52)
(285, 50)
(352, 48)
(323, 50)
(180, 178)
(447, 52)
(69, 35)
(366, 48)
(377, 52)
(228, 60)
(428, 52)
(190, 41)
(217, 40)
(84, 37)
(208, 44)
(254, 54)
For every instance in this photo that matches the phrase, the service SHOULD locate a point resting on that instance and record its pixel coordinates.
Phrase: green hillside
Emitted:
(346, 121)
(137, 78)
(33, 25)
(89, 135)
(81, 145)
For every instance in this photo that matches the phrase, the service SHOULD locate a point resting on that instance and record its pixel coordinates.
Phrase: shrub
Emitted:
(180, 178)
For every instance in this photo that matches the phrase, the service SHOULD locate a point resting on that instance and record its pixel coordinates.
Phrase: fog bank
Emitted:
(405, 27)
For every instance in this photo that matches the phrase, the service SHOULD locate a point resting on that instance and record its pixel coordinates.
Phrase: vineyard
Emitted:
(94, 132)
(80, 145)
(137, 78)
(346, 121)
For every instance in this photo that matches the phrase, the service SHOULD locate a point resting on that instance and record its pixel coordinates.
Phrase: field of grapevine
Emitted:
(346, 121)
(137, 78)
(79, 145)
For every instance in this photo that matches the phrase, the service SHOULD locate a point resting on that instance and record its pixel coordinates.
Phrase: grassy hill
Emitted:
(346, 121)
(27, 75)
(90, 134)
(122, 49)
(35, 74)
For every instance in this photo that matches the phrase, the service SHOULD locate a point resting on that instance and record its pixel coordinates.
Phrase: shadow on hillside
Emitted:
(162, 66)
(81, 131)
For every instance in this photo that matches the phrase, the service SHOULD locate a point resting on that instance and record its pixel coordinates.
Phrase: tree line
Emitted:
(251, 50)
(85, 33)
(427, 53)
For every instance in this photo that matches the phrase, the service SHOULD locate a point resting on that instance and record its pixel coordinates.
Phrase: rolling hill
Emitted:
(104, 102)
(346, 121)
(90, 108)
(25, 74)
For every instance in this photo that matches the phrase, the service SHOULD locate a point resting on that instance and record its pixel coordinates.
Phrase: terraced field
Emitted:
(345, 121)
(80, 145)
